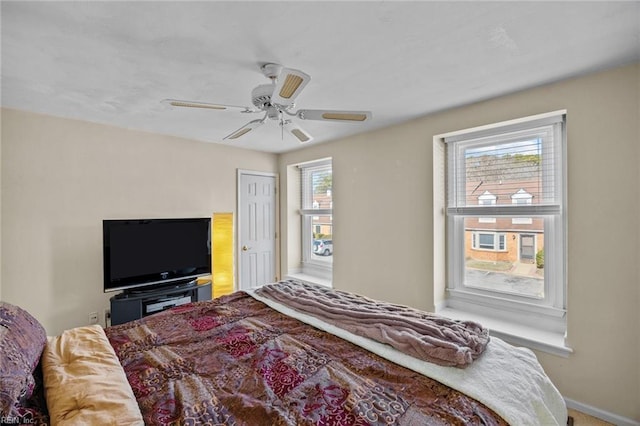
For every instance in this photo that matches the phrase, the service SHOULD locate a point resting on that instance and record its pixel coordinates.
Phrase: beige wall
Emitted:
(637, 303)
(0, 207)
(61, 177)
(384, 220)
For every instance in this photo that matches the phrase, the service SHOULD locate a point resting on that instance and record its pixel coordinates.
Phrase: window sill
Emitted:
(516, 334)
(310, 279)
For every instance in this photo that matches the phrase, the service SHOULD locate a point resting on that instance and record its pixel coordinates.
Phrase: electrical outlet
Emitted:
(93, 317)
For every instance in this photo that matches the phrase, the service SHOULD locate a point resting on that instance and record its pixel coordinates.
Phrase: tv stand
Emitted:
(129, 306)
(175, 285)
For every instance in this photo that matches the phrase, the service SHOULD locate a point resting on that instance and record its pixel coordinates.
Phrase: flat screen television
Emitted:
(149, 253)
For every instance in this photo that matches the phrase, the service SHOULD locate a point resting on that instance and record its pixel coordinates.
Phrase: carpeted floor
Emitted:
(581, 419)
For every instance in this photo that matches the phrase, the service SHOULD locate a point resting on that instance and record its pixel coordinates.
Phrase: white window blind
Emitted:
(503, 164)
(317, 186)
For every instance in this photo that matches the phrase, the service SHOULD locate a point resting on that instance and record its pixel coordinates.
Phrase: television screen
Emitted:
(145, 252)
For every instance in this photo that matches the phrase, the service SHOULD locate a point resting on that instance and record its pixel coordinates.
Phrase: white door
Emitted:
(256, 229)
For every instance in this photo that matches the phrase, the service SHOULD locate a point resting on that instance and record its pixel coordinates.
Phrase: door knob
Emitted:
(245, 248)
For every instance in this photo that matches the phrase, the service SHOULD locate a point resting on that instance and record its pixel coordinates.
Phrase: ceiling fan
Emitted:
(276, 100)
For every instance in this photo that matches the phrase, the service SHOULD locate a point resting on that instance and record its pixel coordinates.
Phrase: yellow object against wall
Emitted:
(222, 254)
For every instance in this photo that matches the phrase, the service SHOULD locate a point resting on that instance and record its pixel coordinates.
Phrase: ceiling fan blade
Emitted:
(297, 131)
(289, 84)
(206, 105)
(331, 115)
(245, 129)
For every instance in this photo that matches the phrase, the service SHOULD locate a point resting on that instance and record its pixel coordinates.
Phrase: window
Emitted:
(488, 241)
(505, 221)
(487, 198)
(521, 197)
(317, 218)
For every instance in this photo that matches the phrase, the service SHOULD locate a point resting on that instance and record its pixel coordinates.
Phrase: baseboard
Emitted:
(601, 414)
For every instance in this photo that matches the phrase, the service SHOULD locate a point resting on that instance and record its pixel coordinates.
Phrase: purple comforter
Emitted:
(235, 361)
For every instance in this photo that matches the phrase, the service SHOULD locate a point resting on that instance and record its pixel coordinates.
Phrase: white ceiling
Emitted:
(113, 62)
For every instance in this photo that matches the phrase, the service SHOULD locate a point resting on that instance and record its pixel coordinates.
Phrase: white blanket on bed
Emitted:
(507, 379)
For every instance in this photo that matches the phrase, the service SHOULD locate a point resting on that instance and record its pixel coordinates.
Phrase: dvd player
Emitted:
(161, 305)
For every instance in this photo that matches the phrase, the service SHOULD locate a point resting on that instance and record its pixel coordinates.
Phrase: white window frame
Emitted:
(311, 264)
(549, 313)
(475, 239)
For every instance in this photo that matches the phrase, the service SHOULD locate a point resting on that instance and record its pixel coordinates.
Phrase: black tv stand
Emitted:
(129, 306)
(174, 285)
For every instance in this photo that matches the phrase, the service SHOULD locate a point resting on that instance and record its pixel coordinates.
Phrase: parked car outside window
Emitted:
(323, 247)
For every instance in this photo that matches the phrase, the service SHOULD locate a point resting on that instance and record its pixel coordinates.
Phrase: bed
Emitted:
(288, 353)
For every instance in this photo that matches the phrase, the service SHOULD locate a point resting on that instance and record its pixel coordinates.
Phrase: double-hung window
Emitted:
(506, 221)
(317, 218)
(488, 241)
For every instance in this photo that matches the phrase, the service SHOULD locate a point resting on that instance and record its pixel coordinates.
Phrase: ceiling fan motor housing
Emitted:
(261, 96)
(271, 70)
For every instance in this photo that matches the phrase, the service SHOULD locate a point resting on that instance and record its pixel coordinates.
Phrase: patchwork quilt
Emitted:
(235, 361)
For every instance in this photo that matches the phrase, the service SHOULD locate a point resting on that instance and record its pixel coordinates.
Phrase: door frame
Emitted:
(529, 234)
(276, 257)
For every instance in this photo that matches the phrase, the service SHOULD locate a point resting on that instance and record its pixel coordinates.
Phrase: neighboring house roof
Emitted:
(504, 191)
